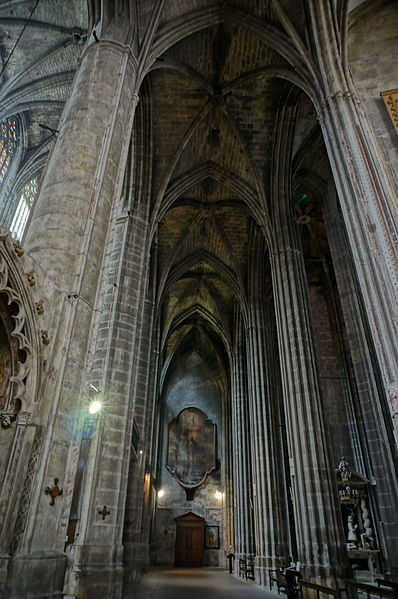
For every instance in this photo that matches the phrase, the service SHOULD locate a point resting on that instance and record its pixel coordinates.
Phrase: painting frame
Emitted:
(212, 537)
(171, 466)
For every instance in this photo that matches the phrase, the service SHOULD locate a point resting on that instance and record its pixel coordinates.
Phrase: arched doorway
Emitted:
(189, 545)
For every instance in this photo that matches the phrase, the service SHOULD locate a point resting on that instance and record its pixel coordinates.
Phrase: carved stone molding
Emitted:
(390, 98)
(44, 337)
(23, 418)
(40, 306)
(7, 418)
(18, 249)
(31, 278)
(8, 287)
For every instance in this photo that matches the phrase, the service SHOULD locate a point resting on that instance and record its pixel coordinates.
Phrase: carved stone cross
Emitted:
(54, 492)
(104, 512)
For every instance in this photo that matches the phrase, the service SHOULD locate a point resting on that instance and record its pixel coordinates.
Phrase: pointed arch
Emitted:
(226, 177)
(225, 273)
(212, 329)
(187, 24)
(193, 312)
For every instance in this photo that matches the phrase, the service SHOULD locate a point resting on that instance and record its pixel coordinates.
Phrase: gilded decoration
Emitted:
(191, 452)
(390, 98)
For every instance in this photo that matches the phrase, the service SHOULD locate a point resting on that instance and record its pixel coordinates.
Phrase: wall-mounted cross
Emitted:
(54, 491)
(104, 512)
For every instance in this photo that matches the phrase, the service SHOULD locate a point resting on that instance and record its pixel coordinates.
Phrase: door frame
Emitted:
(189, 520)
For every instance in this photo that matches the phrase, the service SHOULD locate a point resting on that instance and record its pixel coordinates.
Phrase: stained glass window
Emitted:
(8, 145)
(25, 203)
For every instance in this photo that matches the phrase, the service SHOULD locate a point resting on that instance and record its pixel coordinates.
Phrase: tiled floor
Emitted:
(195, 583)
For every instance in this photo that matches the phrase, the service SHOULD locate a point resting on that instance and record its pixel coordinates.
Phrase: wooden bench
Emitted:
(276, 577)
(246, 569)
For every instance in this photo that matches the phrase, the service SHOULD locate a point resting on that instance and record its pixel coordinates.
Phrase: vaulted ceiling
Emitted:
(215, 95)
(215, 99)
(38, 72)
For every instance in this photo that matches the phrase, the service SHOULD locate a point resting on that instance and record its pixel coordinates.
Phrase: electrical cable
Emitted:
(19, 37)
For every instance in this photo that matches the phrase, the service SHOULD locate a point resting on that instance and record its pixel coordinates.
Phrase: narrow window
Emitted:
(24, 205)
(8, 145)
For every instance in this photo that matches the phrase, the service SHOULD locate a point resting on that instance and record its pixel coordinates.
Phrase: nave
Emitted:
(195, 583)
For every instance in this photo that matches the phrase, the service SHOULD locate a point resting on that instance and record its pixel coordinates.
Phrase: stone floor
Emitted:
(195, 583)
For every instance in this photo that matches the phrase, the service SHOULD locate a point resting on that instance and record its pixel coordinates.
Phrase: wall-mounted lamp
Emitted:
(219, 495)
(95, 407)
(160, 492)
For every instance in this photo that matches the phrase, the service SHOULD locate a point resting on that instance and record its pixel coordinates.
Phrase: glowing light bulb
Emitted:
(219, 495)
(160, 493)
(95, 407)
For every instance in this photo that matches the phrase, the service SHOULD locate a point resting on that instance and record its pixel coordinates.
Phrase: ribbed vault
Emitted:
(216, 92)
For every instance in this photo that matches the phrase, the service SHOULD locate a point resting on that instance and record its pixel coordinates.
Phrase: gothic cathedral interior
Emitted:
(198, 291)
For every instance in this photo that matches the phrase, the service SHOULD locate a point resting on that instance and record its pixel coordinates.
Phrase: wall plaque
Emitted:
(191, 454)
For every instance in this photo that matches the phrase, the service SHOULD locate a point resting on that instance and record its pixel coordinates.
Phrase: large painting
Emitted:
(191, 452)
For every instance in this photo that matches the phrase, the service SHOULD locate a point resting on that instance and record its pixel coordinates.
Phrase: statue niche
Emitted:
(353, 490)
(191, 454)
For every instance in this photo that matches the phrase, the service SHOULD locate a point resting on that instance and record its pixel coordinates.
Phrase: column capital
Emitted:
(114, 45)
(284, 251)
(333, 99)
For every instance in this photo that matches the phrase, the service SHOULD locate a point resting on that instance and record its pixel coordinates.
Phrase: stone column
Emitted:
(121, 350)
(367, 198)
(140, 490)
(320, 541)
(67, 237)
(241, 458)
(71, 215)
(118, 373)
(270, 515)
(319, 531)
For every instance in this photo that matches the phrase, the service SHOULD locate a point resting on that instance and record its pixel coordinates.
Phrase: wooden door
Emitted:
(189, 546)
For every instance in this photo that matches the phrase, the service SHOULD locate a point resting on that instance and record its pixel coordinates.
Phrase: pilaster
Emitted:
(243, 506)
(98, 552)
(371, 414)
(320, 542)
(270, 514)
